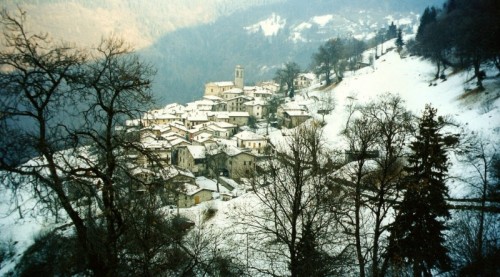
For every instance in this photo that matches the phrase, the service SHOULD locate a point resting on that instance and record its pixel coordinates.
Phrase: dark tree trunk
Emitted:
(477, 71)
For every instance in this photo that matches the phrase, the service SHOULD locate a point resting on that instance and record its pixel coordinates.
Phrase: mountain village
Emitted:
(212, 137)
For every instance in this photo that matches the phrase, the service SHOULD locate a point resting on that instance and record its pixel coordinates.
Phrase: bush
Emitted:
(52, 254)
(7, 250)
(209, 213)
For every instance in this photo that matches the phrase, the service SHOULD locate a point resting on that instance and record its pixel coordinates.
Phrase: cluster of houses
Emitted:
(210, 137)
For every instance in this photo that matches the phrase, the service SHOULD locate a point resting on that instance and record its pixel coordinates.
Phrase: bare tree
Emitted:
(475, 228)
(326, 105)
(376, 134)
(62, 111)
(34, 79)
(301, 206)
(361, 136)
(394, 126)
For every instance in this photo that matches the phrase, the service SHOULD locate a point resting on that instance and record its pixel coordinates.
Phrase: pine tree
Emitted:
(429, 16)
(392, 32)
(416, 238)
(399, 41)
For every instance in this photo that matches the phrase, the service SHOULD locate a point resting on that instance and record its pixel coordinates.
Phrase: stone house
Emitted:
(271, 86)
(193, 196)
(232, 93)
(192, 158)
(203, 190)
(304, 80)
(238, 118)
(257, 92)
(249, 140)
(256, 108)
(237, 104)
(195, 118)
(241, 165)
(293, 119)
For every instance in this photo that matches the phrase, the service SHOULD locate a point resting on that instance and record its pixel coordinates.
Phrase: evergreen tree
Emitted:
(416, 238)
(429, 16)
(392, 32)
(399, 41)
(312, 261)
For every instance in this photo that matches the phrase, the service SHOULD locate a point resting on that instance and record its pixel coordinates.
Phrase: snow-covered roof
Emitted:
(178, 141)
(165, 116)
(226, 142)
(262, 91)
(197, 117)
(197, 151)
(250, 88)
(173, 171)
(256, 102)
(247, 135)
(203, 138)
(231, 150)
(234, 91)
(178, 125)
(229, 181)
(157, 144)
(222, 115)
(173, 106)
(141, 170)
(200, 105)
(225, 125)
(297, 113)
(213, 98)
(309, 76)
(132, 122)
(209, 184)
(216, 128)
(293, 106)
(222, 83)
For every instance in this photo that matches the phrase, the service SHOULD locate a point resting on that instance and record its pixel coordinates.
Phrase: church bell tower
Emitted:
(238, 76)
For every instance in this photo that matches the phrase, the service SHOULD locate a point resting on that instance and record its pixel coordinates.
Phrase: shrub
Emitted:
(52, 254)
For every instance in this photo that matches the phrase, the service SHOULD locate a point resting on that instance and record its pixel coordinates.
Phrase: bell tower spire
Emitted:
(239, 76)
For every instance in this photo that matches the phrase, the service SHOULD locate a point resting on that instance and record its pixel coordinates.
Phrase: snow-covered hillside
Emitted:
(409, 77)
(358, 23)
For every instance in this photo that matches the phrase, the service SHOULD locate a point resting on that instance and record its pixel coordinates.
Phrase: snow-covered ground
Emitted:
(410, 77)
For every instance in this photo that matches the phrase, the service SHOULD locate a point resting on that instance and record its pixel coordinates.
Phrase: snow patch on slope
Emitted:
(269, 27)
(322, 20)
(296, 34)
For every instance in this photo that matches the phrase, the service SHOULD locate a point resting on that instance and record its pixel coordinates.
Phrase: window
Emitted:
(244, 163)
